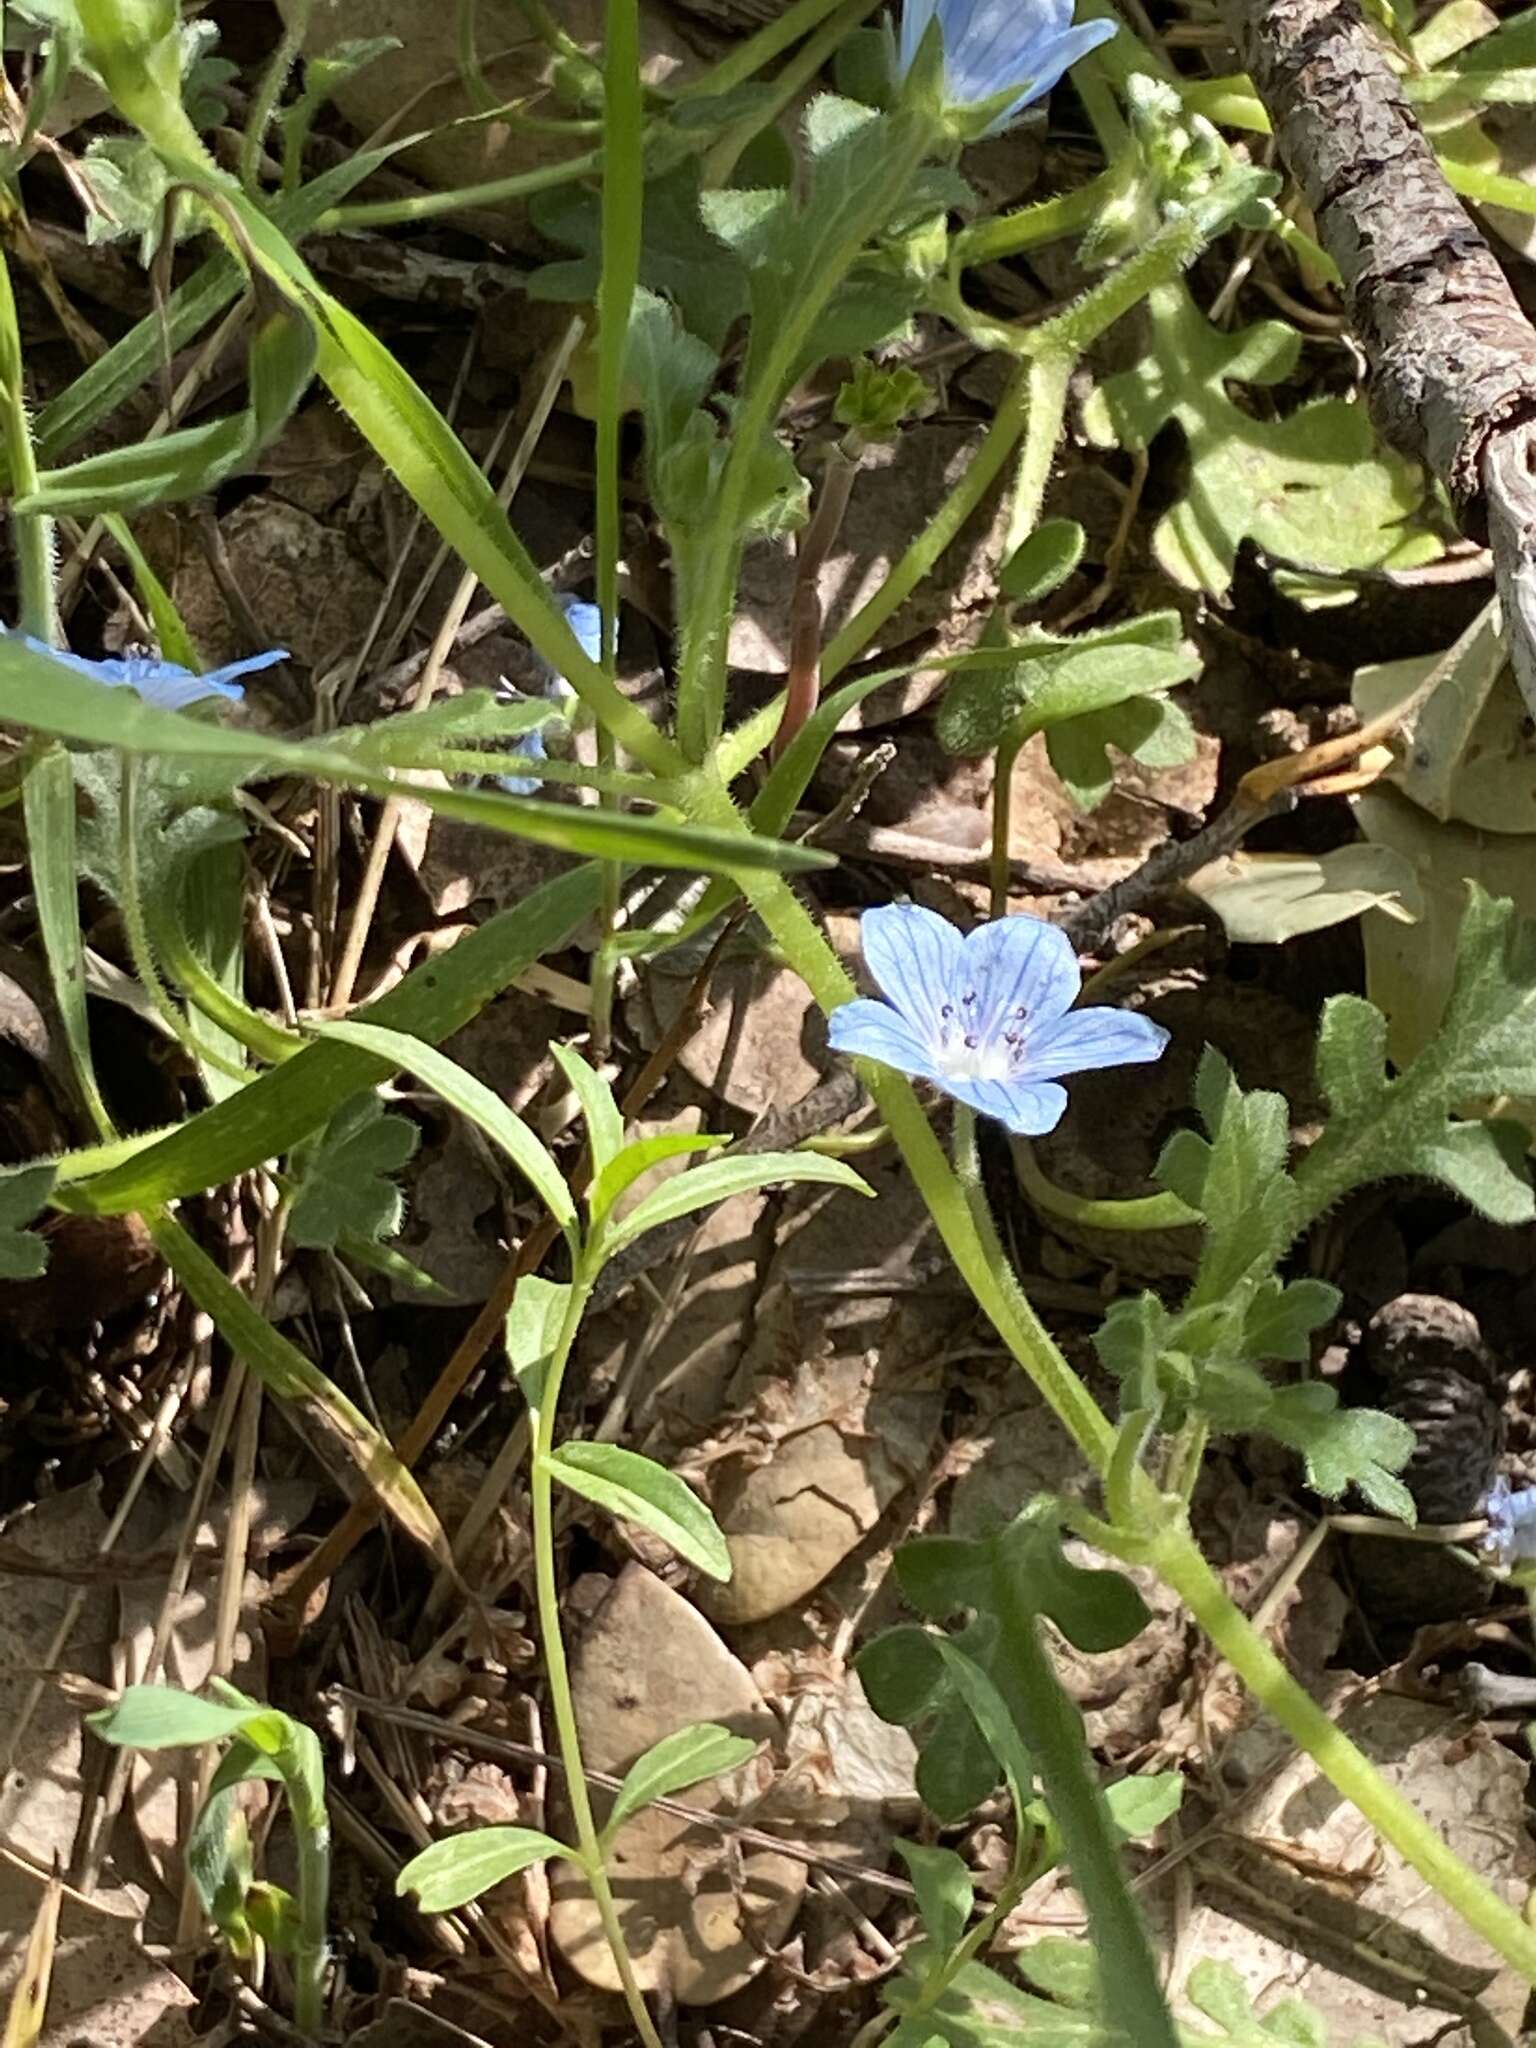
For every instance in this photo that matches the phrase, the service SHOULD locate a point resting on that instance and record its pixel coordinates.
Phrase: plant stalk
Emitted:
(33, 531)
(1133, 1997)
(964, 1222)
(541, 1495)
(1178, 1562)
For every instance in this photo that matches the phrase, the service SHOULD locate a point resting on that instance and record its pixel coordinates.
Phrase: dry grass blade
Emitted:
(29, 2001)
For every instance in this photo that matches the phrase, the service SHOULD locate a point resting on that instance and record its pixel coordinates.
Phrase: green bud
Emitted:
(874, 402)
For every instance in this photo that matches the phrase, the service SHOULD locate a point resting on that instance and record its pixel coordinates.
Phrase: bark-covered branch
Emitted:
(1452, 356)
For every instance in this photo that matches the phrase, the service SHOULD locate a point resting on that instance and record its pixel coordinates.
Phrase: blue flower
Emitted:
(1511, 1534)
(164, 684)
(996, 46)
(988, 1018)
(586, 622)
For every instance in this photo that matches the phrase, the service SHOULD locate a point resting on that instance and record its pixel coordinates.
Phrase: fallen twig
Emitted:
(1453, 358)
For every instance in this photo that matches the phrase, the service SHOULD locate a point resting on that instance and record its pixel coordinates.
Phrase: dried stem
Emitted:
(803, 686)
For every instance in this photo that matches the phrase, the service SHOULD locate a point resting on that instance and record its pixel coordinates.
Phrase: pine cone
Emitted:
(1442, 1379)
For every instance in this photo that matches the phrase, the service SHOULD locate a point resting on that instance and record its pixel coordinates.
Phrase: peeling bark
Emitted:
(1452, 356)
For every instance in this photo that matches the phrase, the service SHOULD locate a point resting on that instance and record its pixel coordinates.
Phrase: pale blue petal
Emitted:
(991, 45)
(531, 747)
(1027, 1108)
(586, 622)
(62, 655)
(222, 679)
(1511, 1534)
(1085, 1039)
(168, 686)
(1049, 63)
(165, 684)
(874, 1031)
(1025, 975)
(917, 957)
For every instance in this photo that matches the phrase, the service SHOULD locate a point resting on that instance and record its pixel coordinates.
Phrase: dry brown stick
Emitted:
(1453, 358)
(329, 1555)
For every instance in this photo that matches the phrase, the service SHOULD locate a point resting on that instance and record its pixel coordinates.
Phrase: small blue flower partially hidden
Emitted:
(1511, 1533)
(988, 1018)
(164, 684)
(993, 47)
(586, 622)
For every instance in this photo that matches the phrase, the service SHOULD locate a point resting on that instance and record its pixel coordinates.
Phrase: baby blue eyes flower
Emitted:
(586, 622)
(1511, 1533)
(164, 684)
(988, 1017)
(993, 47)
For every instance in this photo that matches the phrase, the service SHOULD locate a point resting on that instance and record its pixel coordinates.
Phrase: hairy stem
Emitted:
(1133, 1997)
(33, 532)
(1176, 1558)
(964, 1222)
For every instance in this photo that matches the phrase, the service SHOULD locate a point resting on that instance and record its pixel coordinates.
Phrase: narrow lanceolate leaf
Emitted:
(273, 1113)
(418, 445)
(130, 363)
(471, 1098)
(718, 1179)
(48, 805)
(605, 1126)
(341, 1433)
(460, 1868)
(638, 1158)
(639, 1490)
(164, 1717)
(29, 2000)
(43, 695)
(687, 1757)
(191, 460)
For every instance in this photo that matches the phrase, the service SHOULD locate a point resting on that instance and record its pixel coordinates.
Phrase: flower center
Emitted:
(976, 1048)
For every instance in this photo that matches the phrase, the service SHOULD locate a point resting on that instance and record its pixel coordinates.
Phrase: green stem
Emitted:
(258, 1034)
(796, 75)
(33, 531)
(1176, 1558)
(1133, 1999)
(622, 202)
(1049, 220)
(1050, 375)
(748, 58)
(1188, 1457)
(541, 1496)
(391, 213)
(701, 684)
(312, 1840)
(965, 1225)
(1141, 1212)
(1055, 346)
(262, 107)
(920, 558)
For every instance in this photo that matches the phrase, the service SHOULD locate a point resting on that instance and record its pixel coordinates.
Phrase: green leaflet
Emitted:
(1313, 488)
